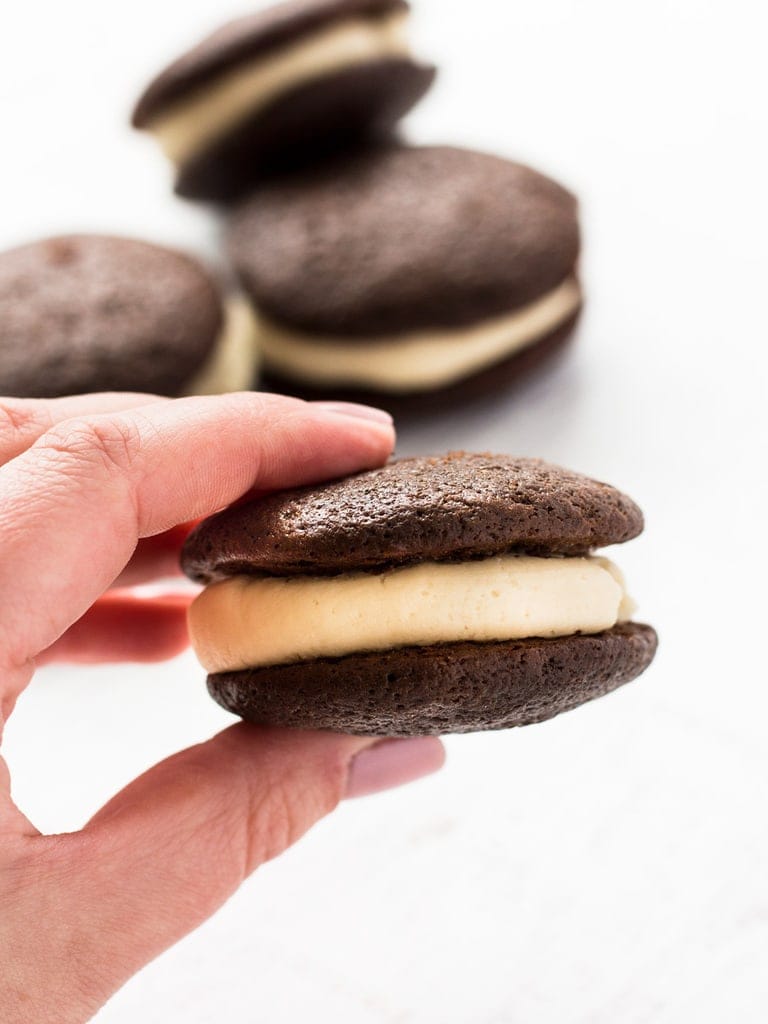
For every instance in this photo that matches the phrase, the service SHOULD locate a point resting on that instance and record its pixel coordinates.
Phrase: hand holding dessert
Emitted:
(89, 488)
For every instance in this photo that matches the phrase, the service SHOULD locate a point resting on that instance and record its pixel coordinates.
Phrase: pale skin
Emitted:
(92, 492)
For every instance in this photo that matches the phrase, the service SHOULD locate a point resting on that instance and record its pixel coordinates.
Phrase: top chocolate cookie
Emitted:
(281, 86)
(458, 506)
(401, 239)
(250, 36)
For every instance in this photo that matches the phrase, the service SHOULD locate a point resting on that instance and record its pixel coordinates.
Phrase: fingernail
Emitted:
(394, 763)
(356, 412)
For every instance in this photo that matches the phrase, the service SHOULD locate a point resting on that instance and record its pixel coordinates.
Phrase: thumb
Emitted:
(167, 851)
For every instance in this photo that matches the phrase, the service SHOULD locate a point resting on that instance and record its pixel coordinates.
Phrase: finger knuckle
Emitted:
(283, 808)
(273, 823)
(112, 445)
(20, 419)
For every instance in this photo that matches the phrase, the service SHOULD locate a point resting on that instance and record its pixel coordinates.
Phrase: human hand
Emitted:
(89, 489)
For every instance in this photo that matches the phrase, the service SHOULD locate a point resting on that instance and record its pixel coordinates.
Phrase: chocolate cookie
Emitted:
(445, 688)
(281, 87)
(441, 594)
(458, 506)
(406, 269)
(91, 313)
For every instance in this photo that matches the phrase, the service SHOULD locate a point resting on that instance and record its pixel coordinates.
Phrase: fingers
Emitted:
(172, 847)
(121, 627)
(24, 420)
(165, 853)
(75, 505)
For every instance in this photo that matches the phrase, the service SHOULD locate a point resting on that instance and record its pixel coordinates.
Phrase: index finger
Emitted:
(24, 420)
(75, 505)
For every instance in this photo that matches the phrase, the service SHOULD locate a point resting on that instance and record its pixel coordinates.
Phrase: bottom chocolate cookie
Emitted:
(447, 688)
(489, 383)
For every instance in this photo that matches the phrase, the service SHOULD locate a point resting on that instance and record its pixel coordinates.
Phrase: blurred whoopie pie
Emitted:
(280, 86)
(407, 271)
(85, 313)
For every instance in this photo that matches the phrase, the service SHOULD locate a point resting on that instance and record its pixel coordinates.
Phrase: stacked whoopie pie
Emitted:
(367, 266)
(374, 267)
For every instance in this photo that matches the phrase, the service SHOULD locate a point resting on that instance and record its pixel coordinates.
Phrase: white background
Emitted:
(610, 866)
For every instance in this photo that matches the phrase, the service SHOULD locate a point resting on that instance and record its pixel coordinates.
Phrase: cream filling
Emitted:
(422, 360)
(248, 622)
(191, 124)
(233, 363)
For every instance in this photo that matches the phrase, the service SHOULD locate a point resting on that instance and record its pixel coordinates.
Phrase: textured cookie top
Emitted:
(87, 312)
(247, 37)
(457, 506)
(401, 239)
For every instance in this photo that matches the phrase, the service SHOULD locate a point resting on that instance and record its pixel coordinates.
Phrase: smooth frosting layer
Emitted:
(193, 123)
(233, 364)
(249, 622)
(421, 361)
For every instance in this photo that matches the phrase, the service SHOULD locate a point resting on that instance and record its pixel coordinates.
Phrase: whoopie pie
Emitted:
(434, 595)
(282, 86)
(407, 270)
(83, 313)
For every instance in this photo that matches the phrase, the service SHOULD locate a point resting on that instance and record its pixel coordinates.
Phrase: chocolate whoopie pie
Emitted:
(279, 87)
(407, 270)
(95, 313)
(435, 595)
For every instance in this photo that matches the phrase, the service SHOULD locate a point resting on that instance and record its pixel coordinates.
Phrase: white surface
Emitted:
(609, 866)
